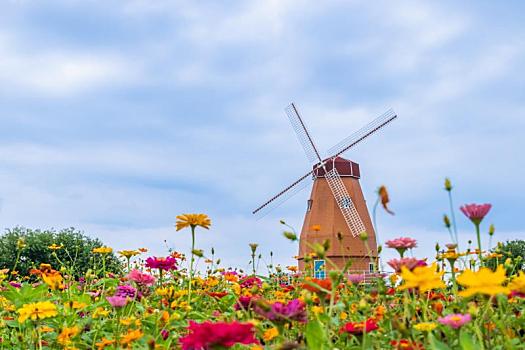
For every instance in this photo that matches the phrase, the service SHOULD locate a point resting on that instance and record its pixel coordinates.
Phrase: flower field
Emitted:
(470, 299)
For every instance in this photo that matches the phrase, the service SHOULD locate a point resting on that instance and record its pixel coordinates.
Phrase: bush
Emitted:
(23, 249)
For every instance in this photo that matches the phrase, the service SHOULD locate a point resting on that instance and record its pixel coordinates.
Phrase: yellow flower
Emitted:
(518, 283)
(129, 253)
(103, 250)
(317, 310)
(192, 220)
(483, 281)
(343, 316)
(131, 336)
(100, 312)
(53, 279)
(270, 334)
(75, 305)
(55, 246)
(37, 311)
(424, 278)
(46, 329)
(425, 326)
(67, 333)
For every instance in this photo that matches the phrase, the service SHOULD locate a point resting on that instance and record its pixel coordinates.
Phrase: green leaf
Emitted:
(315, 335)
(436, 344)
(466, 340)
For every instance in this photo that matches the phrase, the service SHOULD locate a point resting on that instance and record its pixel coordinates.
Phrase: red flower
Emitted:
(476, 212)
(360, 327)
(318, 285)
(217, 295)
(206, 335)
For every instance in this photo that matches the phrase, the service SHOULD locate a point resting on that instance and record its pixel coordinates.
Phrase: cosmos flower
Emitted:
(37, 311)
(360, 327)
(484, 281)
(64, 338)
(141, 278)
(208, 335)
(131, 336)
(475, 212)
(424, 278)
(517, 285)
(455, 320)
(165, 264)
(192, 220)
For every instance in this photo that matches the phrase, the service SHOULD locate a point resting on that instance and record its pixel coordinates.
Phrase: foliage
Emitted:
(29, 248)
(514, 250)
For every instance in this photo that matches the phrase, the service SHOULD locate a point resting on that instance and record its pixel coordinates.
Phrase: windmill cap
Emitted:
(343, 166)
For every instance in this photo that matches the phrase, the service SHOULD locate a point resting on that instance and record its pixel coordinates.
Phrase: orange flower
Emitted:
(383, 195)
(103, 343)
(316, 228)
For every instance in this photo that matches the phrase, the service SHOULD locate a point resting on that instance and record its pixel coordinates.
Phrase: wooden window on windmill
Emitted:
(309, 205)
(371, 267)
(345, 202)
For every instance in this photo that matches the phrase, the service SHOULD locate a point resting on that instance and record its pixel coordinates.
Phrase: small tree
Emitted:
(515, 250)
(23, 249)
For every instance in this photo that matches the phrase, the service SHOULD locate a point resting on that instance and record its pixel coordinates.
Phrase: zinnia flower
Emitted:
(192, 220)
(383, 196)
(117, 301)
(401, 244)
(455, 320)
(475, 212)
(424, 278)
(37, 311)
(207, 335)
(126, 291)
(294, 310)
(128, 253)
(360, 327)
(102, 250)
(131, 336)
(405, 344)
(409, 263)
(484, 281)
(425, 326)
(64, 338)
(167, 263)
(141, 278)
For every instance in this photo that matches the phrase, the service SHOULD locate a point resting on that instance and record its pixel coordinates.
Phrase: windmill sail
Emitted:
(302, 133)
(362, 133)
(347, 207)
(284, 195)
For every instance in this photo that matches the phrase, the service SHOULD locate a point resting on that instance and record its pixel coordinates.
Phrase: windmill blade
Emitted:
(348, 209)
(362, 133)
(283, 196)
(302, 133)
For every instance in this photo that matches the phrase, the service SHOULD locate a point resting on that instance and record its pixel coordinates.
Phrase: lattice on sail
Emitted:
(302, 133)
(348, 209)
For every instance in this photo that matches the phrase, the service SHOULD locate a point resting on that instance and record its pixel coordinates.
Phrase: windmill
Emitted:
(336, 209)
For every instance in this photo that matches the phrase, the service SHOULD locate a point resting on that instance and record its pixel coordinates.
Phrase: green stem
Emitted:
(191, 263)
(374, 211)
(478, 235)
(453, 216)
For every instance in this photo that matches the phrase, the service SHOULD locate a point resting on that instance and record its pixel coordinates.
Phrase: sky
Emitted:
(117, 116)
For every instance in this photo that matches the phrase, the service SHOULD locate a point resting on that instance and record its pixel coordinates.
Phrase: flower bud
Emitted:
(437, 247)
(290, 235)
(363, 236)
(253, 247)
(198, 252)
(448, 185)
(446, 221)
(492, 229)
(282, 222)
(334, 275)
(379, 249)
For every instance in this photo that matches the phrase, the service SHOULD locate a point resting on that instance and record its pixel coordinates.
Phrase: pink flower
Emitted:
(402, 242)
(455, 320)
(409, 263)
(294, 310)
(117, 301)
(208, 335)
(141, 278)
(476, 212)
(167, 263)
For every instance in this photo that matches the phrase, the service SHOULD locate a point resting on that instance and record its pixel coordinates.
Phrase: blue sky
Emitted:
(115, 117)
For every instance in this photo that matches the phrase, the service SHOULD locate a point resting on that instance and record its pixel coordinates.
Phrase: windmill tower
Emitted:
(336, 210)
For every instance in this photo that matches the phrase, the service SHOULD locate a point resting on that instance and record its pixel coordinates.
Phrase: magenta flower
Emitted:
(455, 320)
(409, 263)
(294, 310)
(165, 264)
(117, 301)
(208, 335)
(476, 212)
(401, 244)
(141, 278)
(126, 291)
